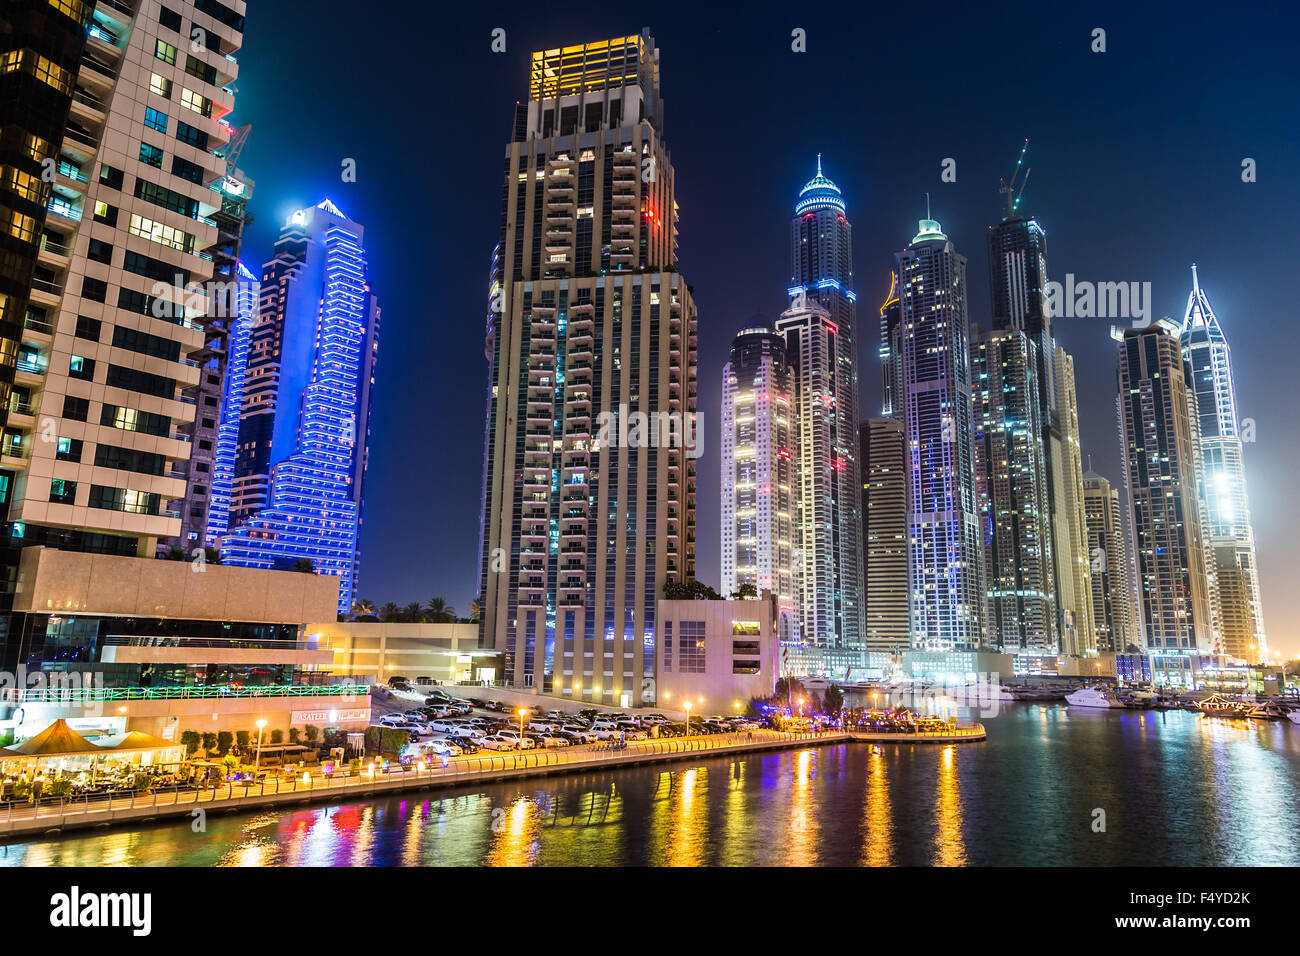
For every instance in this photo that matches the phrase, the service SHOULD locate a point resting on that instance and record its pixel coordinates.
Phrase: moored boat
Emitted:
(1093, 697)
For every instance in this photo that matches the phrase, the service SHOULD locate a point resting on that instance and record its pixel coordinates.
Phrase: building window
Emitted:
(161, 85)
(100, 251)
(81, 367)
(165, 51)
(188, 134)
(88, 328)
(105, 213)
(75, 409)
(155, 119)
(62, 491)
(195, 101)
(170, 19)
(690, 657)
(93, 289)
(68, 449)
(151, 155)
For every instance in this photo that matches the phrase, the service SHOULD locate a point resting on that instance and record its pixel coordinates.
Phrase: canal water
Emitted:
(1052, 785)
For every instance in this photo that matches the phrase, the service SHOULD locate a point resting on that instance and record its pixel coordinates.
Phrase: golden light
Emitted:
(261, 724)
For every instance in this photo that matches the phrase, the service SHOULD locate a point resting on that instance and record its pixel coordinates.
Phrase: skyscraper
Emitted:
(1011, 472)
(758, 488)
(589, 511)
(1074, 575)
(1160, 452)
(1108, 557)
(884, 507)
(232, 401)
(946, 561)
(890, 351)
(125, 112)
(304, 432)
(1228, 529)
(826, 370)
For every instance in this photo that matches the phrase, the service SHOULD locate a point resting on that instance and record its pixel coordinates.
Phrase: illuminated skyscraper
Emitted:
(590, 500)
(821, 341)
(308, 432)
(1228, 526)
(1111, 599)
(1011, 472)
(1074, 576)
(946, 560)
(758, 489)
(884, 506)
(1156, 411)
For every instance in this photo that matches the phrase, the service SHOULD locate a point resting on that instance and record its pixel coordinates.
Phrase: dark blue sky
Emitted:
(1136, 156)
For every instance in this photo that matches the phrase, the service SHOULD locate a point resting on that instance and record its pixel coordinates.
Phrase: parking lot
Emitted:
(447, 724)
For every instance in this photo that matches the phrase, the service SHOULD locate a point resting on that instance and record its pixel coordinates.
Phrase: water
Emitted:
(1176, 789)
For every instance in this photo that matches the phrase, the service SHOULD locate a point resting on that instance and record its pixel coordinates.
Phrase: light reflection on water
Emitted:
(1175, 788)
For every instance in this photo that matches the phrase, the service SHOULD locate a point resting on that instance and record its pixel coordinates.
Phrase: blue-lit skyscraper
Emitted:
(1228, 530)
(303, 433)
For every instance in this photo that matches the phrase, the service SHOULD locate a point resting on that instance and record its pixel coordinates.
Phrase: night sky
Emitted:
(1136, 156)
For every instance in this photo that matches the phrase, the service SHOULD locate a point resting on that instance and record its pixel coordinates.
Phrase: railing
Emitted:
(64, 695)
(61, 208)
(17, 407)
(132, 640)
(25, 366)
(44, 286)
(36, 325)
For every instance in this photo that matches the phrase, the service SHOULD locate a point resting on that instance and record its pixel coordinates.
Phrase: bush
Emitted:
(190, 738)
(312, 734)
(141, 782)
(293, 735)
(61, 788)
(209, 742)
(224, 740)
(242, 738)
(22, 789)
(277, 736)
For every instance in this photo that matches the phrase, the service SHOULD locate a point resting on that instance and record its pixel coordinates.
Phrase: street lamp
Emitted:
(257, 762)
(688, 718)
(521, 713)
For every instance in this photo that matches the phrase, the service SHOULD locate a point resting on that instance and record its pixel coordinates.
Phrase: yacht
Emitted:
(1093, 697)
(1293, 716)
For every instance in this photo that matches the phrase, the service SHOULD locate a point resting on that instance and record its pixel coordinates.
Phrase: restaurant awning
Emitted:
(136, 740)
(56, 740)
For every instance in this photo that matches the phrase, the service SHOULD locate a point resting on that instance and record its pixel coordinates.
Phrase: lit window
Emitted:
(160, 85)
(165, 52)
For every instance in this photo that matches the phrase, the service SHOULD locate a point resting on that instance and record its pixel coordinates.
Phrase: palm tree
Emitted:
(439, 611)
(413, 613)
(389, 612)
(363, 608)
(475, 609)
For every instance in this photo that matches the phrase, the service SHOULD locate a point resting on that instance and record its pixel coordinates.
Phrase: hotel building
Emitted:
(1074, 576)
(946, 557)
(590, 491)
(1229, 531)
(304, 431)
(101, 413)
(1156, 409)
(758, 489)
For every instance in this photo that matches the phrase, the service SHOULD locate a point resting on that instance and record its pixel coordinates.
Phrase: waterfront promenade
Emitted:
(23, 819)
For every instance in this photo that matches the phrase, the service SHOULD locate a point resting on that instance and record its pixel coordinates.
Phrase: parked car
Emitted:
(497, 742)
(465, 744)
(523, 743)
(495, 705)
(391, 720)
(552, 740)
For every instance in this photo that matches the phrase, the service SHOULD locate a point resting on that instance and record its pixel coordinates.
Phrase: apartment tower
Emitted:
(757, 478)
(946, 558)
(884, 509)
(590, 501)
(1108, 556)
(1156, 409)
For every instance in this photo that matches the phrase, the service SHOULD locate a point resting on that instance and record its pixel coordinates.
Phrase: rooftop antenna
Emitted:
(1009, 188)
(927, 205)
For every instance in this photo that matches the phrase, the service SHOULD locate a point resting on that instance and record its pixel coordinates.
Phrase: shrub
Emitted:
(277, 736)
(61, 788)
(312, 733)
(241, 740)
(224, 739)
(22, 789)
(293, 735)
(209, 742)
(141, 782)
(190, 738)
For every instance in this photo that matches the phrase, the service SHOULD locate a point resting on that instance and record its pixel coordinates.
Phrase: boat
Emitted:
(1293, 716)
(1220, 706)
(1265, 710)
(1093, 697)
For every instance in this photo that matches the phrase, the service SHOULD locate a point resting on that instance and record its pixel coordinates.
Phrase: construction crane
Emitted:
(230, 152)
(1009, 188)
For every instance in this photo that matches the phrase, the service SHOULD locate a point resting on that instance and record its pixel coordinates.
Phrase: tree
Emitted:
(689, 590)
(190, 738)
(439, 611)
(746, 590)
(211, 556)
(363, 609)
(173, 554)
(834, 699)
(224, 739)
(389, 612)
(304, 565)
(475, 610)
(413, 613)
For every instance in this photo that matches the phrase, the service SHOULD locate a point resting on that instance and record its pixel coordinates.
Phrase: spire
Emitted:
(819, 168)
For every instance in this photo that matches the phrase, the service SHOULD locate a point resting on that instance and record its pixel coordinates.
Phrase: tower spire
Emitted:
(1196, 285)
(819, 164)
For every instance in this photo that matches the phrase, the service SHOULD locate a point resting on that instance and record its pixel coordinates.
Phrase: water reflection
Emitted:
(1178, 789)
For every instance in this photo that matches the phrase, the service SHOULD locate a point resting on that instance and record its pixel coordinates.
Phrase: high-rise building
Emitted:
(304, 429)
(590, 503)
(946, 558)
(1108, 558)
(232, 402)
(1011, 472)
(884, 507)
(1074, 575)
(1156, 410)
(890, 354)
(126, 118)
(826, 369)
(1228, 526)
(758, 487)
(228, 299)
